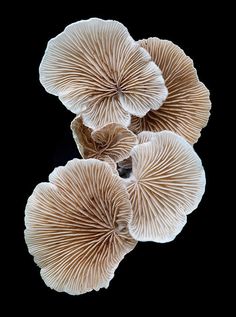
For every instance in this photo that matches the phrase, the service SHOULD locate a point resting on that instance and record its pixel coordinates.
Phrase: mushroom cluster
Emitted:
(139, 109)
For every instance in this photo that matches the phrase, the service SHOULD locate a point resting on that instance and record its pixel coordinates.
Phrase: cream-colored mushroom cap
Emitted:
(187, 108)
(97, 69)
(77, 226)
(166, 184)
(112, 141)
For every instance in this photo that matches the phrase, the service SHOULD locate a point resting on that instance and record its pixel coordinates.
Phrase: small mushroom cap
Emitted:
(82, 136)
(95, 67)
(187, 108)
(77, 226)
(112, 140)
(167, 183)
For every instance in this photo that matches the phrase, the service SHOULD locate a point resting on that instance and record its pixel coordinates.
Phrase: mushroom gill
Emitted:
(77, 226)
(97, 69)
(187, 108)
(142, 137)
(112, 141)
(166, 184)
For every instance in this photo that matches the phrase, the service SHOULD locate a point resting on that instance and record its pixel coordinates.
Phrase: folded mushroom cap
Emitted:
(77, 226)
(112, 140)
(186, 109)
(95, 67)
(82, 136)
(166, 184)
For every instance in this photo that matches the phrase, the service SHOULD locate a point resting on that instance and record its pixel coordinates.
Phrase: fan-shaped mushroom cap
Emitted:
(113, 140)
(166, 184)
(76, 226)
(95, 67)
(186, 109)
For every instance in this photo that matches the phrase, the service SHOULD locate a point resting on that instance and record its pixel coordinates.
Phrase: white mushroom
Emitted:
(77, 226)
(97, 69)
(166, 184)
(186, 109)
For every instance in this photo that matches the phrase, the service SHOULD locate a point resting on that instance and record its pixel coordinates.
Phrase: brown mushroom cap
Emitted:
(95, 67)
(82, 136)
(76, 226)
(113, 140)
(166, 184)
(186, 109)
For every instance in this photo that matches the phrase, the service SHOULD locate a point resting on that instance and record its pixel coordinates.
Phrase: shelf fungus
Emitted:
(187, 108)
(112, 142)
(166, 184)
(77, 226)
(97, 69)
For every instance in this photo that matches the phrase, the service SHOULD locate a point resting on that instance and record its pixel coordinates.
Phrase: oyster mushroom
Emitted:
(77, 226)
(112, 141)
(166, 184)
(97, 69)
(187, 108)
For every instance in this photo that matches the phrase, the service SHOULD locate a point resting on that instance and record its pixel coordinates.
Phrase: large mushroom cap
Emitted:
(76, 226)
(95, 67)
(166, 184)
(186, 109)
(112, 141)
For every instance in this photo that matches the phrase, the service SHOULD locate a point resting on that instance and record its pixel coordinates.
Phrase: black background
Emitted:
(185, 275)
